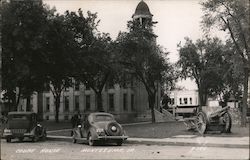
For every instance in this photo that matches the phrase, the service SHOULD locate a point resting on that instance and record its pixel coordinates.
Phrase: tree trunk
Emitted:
(151, 100)
(202, 98)
(245, 95)
(40, 106)
(99, 101)
(28, 103)
(57, 104)
(17, 101)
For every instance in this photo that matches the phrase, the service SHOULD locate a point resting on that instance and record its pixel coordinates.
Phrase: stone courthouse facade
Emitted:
(125, 102)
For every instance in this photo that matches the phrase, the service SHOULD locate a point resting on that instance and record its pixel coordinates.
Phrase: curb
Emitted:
(149, 142)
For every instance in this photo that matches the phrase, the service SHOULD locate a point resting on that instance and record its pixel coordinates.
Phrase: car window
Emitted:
(19, 117)
(103, 118)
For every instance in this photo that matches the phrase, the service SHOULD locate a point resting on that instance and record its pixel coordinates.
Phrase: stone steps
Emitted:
(159, 117)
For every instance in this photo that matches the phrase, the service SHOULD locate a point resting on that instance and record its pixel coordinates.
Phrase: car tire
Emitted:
(119, 142)
(8, 140)
(91, 142)
(74, 140)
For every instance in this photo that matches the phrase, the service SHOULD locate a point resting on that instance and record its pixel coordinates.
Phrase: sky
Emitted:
(176, 19)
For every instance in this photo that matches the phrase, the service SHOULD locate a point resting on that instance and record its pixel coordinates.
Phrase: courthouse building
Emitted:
(123, 101)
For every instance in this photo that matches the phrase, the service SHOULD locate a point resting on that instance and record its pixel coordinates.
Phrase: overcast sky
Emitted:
(176, 20)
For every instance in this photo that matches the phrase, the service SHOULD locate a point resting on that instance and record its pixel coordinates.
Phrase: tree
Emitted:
(98, 66)
(93, 65)
(232, 16)
(141, 57)
(60, 50)
(232, 73)
(203, 61)
(23, 24)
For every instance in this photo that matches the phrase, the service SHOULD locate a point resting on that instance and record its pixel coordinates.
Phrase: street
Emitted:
(53, 150)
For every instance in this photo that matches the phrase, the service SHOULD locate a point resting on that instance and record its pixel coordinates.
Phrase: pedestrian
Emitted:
(75, 121)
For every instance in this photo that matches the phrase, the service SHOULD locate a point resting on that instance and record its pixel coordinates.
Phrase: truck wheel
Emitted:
(8, 140)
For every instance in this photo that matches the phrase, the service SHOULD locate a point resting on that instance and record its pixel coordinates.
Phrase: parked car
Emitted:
(99, 127)
(23, 124)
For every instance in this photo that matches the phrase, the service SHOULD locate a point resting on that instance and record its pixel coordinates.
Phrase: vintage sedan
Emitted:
(23, 124)
(99, 127)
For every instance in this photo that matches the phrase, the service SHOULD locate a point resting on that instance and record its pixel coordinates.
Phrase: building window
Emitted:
(180, 100)
(47, 104)
(77, 103)
(172, 101)
(132, 102)
(185, 101)
(66, 117)
(111, 102)
(66, 103)
(190, 100)
(87, 102)
(77, 86)
(31, 103)
(47, 117)
(125, 102)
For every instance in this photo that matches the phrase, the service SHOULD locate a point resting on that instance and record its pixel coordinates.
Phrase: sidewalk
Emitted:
(182, 140)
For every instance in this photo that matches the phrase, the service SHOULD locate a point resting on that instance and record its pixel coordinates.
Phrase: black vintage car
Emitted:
(99, 127)
(23, 124)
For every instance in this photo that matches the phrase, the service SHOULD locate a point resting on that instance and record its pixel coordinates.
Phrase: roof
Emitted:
(142, 9)
(21, 113)
(100, 113)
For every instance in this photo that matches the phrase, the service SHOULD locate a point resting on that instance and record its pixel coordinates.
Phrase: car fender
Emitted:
(33, 131)
(92, 130)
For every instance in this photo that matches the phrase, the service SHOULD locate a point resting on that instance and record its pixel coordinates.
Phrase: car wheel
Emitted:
(20, 139)
(119, 142)
(8, 140)
(90, 140)
(74, 140)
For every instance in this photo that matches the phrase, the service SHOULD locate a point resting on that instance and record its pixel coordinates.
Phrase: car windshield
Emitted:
(18, 117)
(103, 118)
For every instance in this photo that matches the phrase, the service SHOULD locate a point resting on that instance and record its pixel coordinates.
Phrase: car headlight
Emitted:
(99, 130)
(7, 130)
